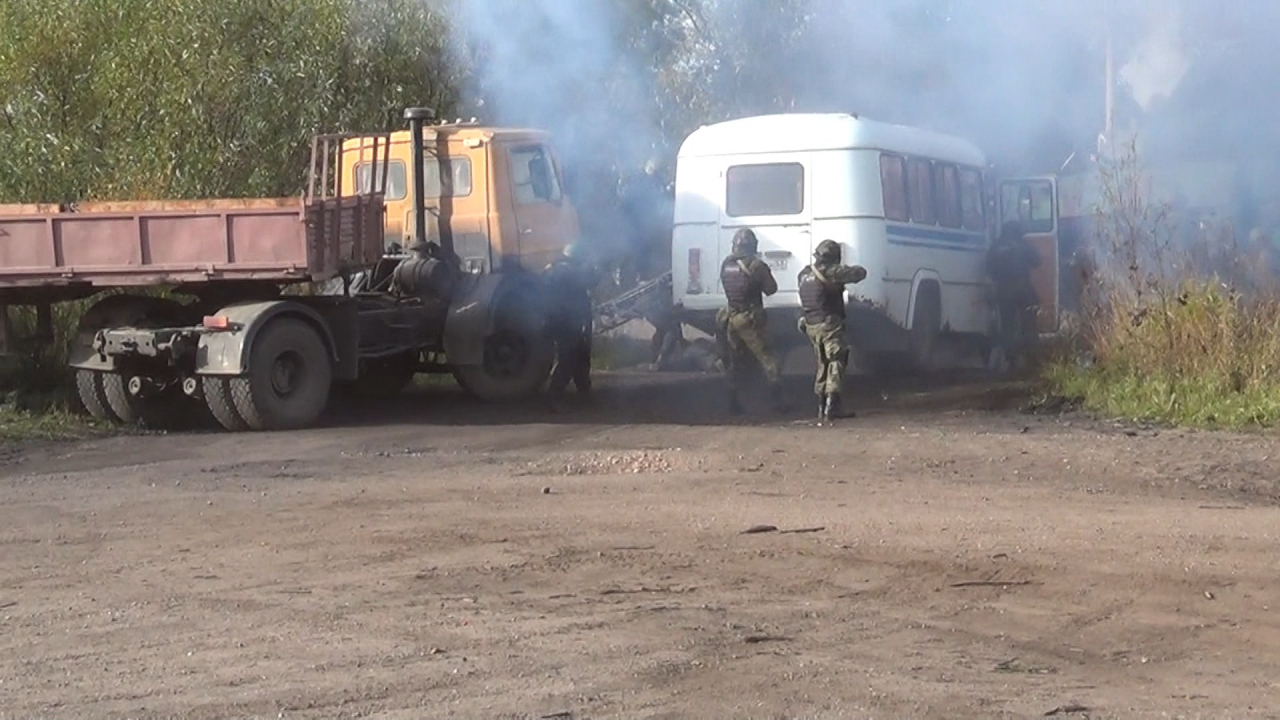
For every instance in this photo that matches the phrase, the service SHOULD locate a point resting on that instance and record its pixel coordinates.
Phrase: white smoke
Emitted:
(1159, 62)
(619, 80)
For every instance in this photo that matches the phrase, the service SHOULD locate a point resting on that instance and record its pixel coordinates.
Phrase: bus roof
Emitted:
(801, 132)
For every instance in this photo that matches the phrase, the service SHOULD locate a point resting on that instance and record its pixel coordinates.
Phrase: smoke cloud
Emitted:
(619, 80)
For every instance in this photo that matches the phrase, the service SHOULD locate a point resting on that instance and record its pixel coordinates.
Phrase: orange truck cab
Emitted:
(498, 193)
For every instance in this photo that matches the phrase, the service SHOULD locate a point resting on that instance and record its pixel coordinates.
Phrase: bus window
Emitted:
(772, 189)
(947, 193)
(971, 200)
(920, 184)
(893, 185)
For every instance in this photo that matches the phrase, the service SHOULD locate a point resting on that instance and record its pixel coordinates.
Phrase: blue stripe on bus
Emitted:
(958, 240)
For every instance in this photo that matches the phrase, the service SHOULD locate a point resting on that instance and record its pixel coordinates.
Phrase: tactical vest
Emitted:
(819, 300)
(740, 289)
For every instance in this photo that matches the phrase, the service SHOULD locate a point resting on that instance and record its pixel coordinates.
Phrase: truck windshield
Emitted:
(456, 173)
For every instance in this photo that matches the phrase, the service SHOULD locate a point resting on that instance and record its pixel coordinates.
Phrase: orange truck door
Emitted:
(540, 204)
(1034, 203)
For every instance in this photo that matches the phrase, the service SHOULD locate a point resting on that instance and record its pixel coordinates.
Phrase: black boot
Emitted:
(822, 409)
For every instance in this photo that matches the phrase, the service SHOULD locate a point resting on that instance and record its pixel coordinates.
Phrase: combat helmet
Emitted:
(744, 242)
(828, 251)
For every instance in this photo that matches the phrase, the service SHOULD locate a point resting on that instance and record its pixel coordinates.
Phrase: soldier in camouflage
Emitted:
(746, 279)
(821, 288)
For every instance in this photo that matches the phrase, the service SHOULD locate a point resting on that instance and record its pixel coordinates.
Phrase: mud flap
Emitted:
(477, 311)
(227, 352)
(470, 319)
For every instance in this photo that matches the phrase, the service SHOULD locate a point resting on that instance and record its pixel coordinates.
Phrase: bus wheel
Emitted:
(926, 328)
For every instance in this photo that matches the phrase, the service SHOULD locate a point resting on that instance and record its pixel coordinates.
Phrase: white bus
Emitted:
(905, 203)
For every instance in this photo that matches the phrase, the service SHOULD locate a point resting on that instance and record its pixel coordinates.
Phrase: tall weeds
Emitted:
(1181, 323)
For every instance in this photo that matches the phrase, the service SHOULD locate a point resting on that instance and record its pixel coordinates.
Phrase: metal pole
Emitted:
(1109, 122)
(416, 116)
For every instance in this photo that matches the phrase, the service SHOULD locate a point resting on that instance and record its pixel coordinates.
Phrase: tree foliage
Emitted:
(121, 99)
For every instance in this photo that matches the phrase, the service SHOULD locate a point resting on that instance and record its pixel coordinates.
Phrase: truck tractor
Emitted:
(413, 251)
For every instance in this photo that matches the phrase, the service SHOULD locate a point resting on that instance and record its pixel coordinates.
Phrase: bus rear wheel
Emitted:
(926, 329)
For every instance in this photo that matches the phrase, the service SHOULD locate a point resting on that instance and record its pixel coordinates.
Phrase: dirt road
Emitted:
(942, 556)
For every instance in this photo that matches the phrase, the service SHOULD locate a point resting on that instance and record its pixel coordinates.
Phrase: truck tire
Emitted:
(516, 365)
(169, 410)
(92, 397)
(217, 397)
(290, 376)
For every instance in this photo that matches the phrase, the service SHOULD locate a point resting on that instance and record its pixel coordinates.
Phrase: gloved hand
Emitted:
(860, 273)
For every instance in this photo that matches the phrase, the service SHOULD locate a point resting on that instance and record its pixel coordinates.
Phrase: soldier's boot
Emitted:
(822, 409)
(835, 408)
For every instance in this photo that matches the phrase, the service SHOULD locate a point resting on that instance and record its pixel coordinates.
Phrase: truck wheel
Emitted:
(926, 327)
(289, 378)
(515, 366)
(217, 397)
(89, 388)
(111, 395)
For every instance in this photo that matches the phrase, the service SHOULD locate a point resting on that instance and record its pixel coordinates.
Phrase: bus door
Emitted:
(1033, 202)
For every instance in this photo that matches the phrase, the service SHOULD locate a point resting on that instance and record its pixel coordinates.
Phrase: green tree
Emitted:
(123, 99)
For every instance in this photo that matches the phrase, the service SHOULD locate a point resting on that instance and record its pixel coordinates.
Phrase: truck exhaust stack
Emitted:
(417, 117)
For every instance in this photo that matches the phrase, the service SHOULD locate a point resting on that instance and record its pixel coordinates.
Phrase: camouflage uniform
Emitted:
(746, 279)
(821, 287)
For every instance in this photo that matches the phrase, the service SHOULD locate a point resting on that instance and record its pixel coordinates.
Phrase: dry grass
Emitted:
(1176, 329)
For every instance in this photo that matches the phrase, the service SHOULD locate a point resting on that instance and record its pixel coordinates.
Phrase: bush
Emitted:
(1176, 328)
(133, 99)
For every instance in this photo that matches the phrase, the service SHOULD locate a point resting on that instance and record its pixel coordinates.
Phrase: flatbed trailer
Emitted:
(250, 341)
(139, 244)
